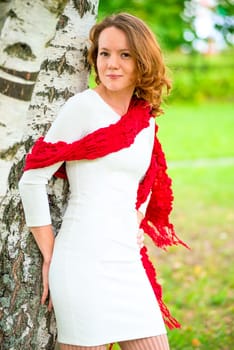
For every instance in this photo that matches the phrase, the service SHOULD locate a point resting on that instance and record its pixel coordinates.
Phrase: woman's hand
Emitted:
(44, 238)
(45, 283)
(140, 238)
(140, 235)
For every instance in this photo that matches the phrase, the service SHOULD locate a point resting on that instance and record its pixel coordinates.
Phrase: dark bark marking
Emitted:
(62, 22)
(15, 174)
(56, 206)
(9, 153)
(85, 59)
(67, 48)
(13, 212)
(16, 90)
(20, 50)
(11, 14)
(40, 128)
(51, 93)
(2, 125)
(82, 6)
(29, 76)
(60, 65)
(57, 7)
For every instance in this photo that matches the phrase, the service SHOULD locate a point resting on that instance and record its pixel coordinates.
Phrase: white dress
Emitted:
(99, 288)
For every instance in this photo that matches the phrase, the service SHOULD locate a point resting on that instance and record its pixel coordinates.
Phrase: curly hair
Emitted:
(146, 52)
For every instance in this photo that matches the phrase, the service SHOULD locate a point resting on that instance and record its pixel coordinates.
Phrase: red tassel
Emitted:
(170, 321)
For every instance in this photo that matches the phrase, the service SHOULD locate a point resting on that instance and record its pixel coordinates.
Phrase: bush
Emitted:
(199, 78)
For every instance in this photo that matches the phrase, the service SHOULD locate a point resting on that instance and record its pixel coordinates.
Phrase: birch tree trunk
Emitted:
(25, 323)
(28, 27)
(4, 8)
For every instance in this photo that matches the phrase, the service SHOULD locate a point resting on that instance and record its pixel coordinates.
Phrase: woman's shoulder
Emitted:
(70, 123)
(83, 99)
(81, 95)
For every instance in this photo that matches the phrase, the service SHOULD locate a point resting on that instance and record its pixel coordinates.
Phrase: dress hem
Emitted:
(110, 341)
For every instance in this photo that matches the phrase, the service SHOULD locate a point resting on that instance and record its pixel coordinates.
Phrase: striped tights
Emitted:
(159, 342)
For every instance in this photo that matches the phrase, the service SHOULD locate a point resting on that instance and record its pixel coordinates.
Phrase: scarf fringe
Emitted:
(162, 236)
(156, 221)
(170, 321)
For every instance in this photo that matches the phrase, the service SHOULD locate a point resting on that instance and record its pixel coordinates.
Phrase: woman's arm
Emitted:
(44, 238)
(32, 186)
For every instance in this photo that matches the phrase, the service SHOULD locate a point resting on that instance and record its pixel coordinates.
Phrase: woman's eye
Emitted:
(125, 55)
(103, 53)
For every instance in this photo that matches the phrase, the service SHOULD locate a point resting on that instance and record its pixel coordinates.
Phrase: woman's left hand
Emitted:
(46, 293)
(140, 235)
(140, 238)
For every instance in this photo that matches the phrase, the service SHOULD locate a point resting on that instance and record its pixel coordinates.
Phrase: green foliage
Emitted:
(198, 78)
(164, 18)
(168, 19)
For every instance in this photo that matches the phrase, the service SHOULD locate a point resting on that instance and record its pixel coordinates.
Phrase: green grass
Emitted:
(197, 131)
(199, 284)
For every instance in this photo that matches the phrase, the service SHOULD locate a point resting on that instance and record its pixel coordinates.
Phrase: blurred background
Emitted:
(197, 131)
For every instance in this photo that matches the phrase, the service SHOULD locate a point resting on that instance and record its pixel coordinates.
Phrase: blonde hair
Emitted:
(146, 52)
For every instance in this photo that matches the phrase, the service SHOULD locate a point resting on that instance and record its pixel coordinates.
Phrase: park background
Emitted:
(196, 131)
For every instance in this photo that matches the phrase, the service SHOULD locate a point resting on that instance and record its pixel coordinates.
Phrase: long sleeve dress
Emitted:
(100, 291)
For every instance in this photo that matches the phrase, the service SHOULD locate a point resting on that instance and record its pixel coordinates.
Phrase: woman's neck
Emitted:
(118, 100)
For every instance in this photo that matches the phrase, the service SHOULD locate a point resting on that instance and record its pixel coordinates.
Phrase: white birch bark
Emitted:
(63, 73)
(4, 8)
(64, 70)
(28, 27)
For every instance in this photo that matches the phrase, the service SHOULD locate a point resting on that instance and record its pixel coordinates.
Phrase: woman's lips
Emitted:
(113, 76)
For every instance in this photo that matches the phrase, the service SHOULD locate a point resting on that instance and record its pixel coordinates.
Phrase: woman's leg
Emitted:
(159, 342)
(77, 347)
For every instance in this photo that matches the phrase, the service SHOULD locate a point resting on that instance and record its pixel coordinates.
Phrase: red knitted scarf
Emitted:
(156, 181)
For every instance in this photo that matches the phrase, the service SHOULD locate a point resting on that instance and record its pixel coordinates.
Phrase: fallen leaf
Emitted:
(196, 342)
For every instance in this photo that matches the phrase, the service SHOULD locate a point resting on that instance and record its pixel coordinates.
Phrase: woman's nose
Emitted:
(113, 61)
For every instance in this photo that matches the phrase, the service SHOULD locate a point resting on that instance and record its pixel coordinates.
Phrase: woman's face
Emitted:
(115, 64)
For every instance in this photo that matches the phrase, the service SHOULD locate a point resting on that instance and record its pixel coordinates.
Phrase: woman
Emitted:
(100, 291)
